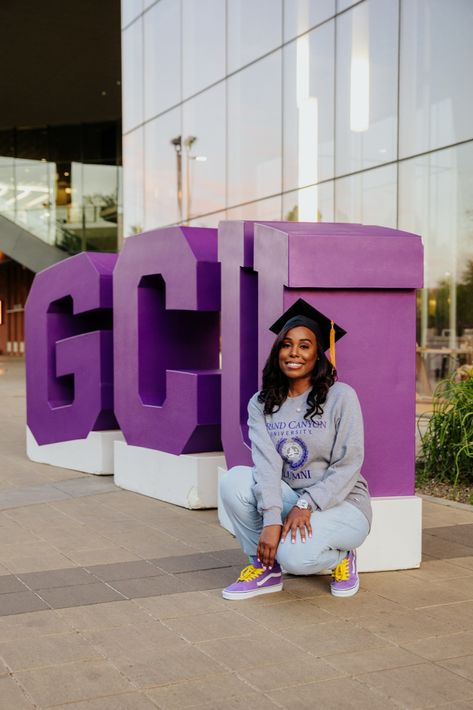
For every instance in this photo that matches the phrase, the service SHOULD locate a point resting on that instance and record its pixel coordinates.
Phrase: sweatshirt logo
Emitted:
(293, 452)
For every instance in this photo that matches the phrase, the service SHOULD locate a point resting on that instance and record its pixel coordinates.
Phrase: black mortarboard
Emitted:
(330, 331)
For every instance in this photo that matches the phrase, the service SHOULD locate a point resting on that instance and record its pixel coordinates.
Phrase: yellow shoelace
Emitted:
(248, 573)
(341, 573)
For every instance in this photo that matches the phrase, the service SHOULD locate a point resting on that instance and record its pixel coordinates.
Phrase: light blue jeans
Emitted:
(334, 531)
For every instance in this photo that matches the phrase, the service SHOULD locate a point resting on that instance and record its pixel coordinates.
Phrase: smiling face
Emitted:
(298, 355)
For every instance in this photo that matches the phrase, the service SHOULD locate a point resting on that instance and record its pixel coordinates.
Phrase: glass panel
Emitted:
(263, 210)
(254, 28)
(163, 170)
(436, 101)
(203, 44)
(130, 10)
(308, 108)
(209, 220)
(93, 211)
(435, 200)
(301, 15)
(34, 200)
(312, 204)
(7, 187)
(162, 50)
(368, 198)
(366, 79)
(343, 4)
(203, 121)
(254, 131)
(132, 75)
(133, 209)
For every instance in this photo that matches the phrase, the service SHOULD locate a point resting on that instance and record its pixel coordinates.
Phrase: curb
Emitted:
(447, 502)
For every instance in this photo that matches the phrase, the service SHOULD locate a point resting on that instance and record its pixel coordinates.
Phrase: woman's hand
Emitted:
(268, 544)
(297, 519)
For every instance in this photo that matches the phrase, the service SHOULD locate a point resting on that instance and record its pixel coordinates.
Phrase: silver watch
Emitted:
(303, 505)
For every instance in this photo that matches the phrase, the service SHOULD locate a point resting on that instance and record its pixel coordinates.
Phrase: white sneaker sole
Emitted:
(252, 593)
(345, 592)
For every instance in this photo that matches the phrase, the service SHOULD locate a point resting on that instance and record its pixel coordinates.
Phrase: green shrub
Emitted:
(447, 445)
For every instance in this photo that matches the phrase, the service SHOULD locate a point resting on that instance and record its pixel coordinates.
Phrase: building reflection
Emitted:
(324, 111)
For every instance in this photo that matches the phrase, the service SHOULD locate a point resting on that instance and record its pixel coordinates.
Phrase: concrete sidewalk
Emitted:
(110, 600)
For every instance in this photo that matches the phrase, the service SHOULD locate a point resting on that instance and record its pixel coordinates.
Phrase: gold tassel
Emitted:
(332, 345)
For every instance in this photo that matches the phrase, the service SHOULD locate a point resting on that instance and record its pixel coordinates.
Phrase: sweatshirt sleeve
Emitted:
(267, 466)
(346, 456)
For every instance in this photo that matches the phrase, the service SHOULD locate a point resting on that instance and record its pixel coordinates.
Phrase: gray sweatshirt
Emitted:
(320, 458)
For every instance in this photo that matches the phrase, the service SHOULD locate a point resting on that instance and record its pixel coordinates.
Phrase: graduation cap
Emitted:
(329, 331)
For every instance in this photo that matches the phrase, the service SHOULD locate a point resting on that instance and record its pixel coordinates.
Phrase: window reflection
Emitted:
(30, 199)
(133, 207)
(254, 28)
(132, 75)
(308, 108)
(435, 200)
(162, 56)
(368, 197)
(312, 204)
(163, 170)
(436, 101)
(204, 120)
(263, 209)
(254, 131)
(130, 10)
(203, 44)
(344, 4)
(209, 220)
(7, 187)
(301, 15)
(366, 76)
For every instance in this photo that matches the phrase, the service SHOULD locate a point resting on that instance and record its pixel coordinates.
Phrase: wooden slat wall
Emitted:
(15, 283)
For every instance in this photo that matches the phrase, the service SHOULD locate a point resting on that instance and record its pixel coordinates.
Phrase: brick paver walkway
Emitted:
(111, 601)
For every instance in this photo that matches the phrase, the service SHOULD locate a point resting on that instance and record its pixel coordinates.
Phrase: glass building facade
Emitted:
(63, 183)
(317, 110)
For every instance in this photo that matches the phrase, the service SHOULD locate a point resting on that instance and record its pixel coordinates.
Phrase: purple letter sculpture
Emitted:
(69, 353)
(365, 279)
(241, 331)
(167, 302)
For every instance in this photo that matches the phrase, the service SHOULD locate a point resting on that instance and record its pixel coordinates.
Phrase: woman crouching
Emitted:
(304, 506)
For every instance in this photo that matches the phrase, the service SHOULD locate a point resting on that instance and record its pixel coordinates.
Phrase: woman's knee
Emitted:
(235, 484)
(296, 558)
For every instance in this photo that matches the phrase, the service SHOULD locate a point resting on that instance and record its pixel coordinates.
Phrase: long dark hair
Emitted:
(275, 385)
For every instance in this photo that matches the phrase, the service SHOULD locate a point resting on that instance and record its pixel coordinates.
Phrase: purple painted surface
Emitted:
(166, 332)
(69, 353)
(241, 373)
(376, 357)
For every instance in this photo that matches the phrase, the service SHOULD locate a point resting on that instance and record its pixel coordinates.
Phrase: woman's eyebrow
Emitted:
(301, 340)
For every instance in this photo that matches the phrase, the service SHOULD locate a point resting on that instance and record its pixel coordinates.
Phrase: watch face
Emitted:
(302, 504)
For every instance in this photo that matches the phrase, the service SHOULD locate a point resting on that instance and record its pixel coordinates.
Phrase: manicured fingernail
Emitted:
(270, 568)
(293, 542)
(310, 534)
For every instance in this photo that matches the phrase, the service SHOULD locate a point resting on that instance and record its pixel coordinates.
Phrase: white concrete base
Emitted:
(91, 455)
(395, 540)
(189, 480)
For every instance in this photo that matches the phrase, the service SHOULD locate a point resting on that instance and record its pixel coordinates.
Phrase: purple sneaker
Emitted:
(254, 580)
(345, 580)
